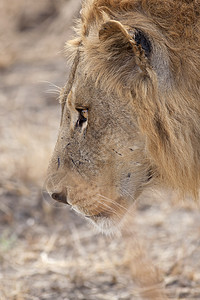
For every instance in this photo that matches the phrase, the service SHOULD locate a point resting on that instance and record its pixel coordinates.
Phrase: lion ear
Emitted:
(118, 38)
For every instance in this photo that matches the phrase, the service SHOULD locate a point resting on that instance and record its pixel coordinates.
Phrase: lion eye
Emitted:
(82, 118)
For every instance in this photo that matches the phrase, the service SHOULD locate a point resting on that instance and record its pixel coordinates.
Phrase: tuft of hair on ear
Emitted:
(113, 28)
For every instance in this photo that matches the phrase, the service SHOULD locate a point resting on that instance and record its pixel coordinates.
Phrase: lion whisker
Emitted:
(51, 84)
(109, 210)
(54, 92)
(113, 202)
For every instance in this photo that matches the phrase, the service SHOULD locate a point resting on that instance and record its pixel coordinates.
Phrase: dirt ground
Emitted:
(46, 251)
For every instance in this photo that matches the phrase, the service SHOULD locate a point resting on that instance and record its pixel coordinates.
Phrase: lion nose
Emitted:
(60, 197)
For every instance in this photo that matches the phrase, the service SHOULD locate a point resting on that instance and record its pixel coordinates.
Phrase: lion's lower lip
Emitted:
(100, 215)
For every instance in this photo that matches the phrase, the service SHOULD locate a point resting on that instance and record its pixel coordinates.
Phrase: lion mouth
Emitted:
(97, 216)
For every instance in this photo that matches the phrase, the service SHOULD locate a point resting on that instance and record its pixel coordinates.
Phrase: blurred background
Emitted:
(46, 251)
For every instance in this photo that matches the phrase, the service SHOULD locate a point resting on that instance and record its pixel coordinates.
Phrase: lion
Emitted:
(131, 108)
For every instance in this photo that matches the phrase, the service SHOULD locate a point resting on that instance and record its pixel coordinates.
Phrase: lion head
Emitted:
(131, 107)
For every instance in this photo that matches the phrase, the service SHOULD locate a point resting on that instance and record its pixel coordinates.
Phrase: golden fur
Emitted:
(162, 91)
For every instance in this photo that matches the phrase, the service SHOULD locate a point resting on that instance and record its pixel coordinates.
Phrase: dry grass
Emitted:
(48, 252)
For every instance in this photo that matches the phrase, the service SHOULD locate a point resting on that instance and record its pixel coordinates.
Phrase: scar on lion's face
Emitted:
(131, 107)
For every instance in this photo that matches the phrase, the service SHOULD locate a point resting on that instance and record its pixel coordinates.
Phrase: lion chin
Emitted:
(103, 223)
(130, 116)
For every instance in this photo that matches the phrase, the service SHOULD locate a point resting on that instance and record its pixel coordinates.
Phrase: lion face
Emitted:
(130, 111)
(99, 165)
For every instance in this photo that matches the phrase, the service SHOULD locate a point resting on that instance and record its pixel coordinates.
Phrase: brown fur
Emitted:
(159, 95)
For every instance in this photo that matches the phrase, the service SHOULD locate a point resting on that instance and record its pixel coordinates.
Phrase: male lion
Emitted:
(131, 108)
